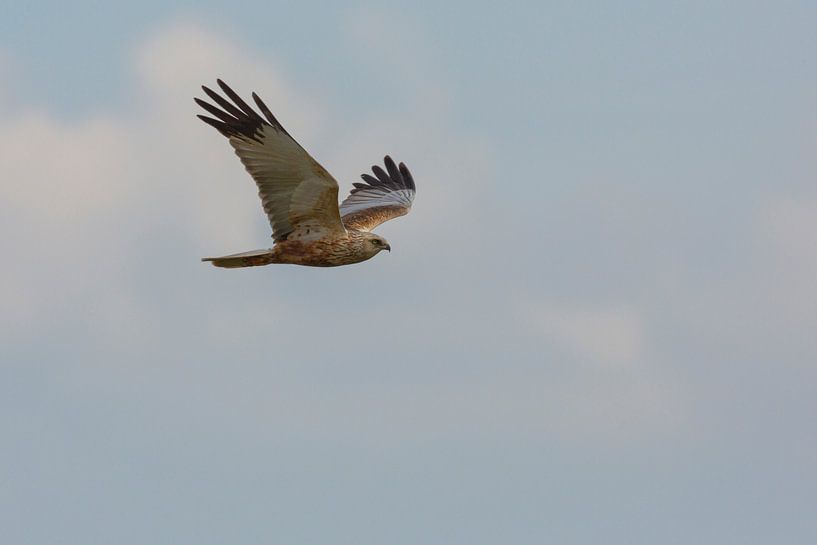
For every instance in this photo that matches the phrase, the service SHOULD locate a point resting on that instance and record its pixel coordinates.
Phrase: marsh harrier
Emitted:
(300, 197)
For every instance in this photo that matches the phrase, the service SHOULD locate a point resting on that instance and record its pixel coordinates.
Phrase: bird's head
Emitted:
(376, 243)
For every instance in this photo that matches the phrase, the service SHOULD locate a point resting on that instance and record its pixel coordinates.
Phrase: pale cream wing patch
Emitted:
(299, 196)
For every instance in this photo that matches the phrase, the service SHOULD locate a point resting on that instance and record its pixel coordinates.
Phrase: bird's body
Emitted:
(300, 196)
(352, 247)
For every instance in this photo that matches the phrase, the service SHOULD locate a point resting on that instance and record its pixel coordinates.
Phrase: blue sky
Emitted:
(596, 326)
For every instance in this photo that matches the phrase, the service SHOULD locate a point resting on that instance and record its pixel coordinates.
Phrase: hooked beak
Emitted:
(388, 248)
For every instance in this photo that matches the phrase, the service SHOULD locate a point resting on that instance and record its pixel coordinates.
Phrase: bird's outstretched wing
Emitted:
(299, 196)
(386, 195)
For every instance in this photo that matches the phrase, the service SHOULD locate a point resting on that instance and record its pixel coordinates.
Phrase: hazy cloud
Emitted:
(605, 336)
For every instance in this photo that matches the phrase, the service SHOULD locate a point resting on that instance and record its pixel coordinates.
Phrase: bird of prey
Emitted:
(300, 197)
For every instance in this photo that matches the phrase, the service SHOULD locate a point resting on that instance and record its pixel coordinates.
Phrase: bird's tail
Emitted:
(252, 258)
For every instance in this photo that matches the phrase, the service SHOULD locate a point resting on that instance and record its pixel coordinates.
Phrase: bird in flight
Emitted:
(300, 197)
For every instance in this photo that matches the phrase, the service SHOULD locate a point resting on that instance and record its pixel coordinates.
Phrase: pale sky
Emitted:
(596, 326)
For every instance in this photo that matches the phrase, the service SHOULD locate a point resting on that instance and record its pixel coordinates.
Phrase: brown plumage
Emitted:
(353, 247)
(300, 197)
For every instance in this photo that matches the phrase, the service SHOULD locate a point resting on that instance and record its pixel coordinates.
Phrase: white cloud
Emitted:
(5, 73)
(58, 176)
(174, 63)
(788, 226)
(609, 336)
(61, 184)
(609, 380)
(410, 70)
(785, 271)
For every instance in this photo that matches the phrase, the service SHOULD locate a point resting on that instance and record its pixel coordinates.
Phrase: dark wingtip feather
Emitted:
(224, 103)
(222, 115)
(220, 126)
(236, 118)
(394, 173)
(385, 179)
(397, 178)
(238, 101)
(407, 177)
(268, 113)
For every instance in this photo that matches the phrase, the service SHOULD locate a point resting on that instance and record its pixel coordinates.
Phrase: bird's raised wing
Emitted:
(299, 196)
(386, 195)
